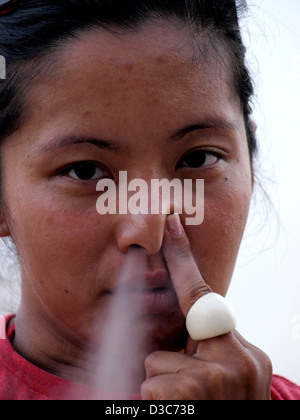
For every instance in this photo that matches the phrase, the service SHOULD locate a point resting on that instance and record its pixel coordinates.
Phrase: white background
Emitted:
(266, 286)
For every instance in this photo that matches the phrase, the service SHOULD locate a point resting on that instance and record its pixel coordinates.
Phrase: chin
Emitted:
(164, 333)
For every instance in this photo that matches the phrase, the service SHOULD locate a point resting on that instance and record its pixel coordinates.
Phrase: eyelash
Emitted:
(190, 154)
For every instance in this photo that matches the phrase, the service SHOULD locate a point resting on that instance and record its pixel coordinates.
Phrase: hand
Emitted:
(222, 368)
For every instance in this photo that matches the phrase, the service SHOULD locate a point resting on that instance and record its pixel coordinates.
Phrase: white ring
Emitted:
(211, 316)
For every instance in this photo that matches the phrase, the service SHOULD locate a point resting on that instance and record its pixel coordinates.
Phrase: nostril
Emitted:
(136, 246)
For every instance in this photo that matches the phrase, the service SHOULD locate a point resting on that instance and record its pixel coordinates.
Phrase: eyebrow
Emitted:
(64, 142)
(210, 123)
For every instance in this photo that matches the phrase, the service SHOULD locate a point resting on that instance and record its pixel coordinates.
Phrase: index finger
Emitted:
(185, 275)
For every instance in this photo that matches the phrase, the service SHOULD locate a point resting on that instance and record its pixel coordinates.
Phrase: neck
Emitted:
(57, 351)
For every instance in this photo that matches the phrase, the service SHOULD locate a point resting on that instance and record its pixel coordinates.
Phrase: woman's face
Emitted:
(137, 102)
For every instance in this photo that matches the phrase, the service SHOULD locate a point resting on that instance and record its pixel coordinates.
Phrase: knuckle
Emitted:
(266, 363)
(257, 365)
(256, 374)
(147, 391)
(247, 371)
(262, 371)
(196, 290)
(151, 360)
(269, 367)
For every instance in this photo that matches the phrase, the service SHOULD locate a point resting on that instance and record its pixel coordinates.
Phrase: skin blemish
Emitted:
(87, 114)
(129, 65)
(161, 59)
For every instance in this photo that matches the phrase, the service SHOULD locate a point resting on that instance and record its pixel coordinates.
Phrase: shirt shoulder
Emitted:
(284, 390)
(19, 379)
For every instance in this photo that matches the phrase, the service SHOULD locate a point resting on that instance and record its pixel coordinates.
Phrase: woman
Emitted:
(158, 89)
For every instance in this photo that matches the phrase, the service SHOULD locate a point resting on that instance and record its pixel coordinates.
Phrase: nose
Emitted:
(146, 231)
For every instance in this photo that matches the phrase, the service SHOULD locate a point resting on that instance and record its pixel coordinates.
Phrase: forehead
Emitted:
(112, 76)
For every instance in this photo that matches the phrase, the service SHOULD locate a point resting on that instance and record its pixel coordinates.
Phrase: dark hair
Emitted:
(36, 29)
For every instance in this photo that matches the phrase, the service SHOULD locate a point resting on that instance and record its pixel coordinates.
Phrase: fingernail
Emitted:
(174, 225)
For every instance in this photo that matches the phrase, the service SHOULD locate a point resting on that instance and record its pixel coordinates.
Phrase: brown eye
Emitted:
(199, 159)
(85, 171)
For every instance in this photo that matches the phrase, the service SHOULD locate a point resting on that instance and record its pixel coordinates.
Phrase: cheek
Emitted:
(60, 247)
(66, 260)
(215, 243)
(54, 230)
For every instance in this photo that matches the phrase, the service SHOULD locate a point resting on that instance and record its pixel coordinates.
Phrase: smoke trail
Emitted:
(121, 342)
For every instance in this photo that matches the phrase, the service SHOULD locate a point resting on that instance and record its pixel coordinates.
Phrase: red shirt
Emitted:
(21, 380)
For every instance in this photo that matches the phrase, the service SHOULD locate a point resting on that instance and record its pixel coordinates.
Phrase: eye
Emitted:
(199, 159)
(85, 171)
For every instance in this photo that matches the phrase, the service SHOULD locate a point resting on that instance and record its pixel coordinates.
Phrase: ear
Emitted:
(4, 229)
(254, 125)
